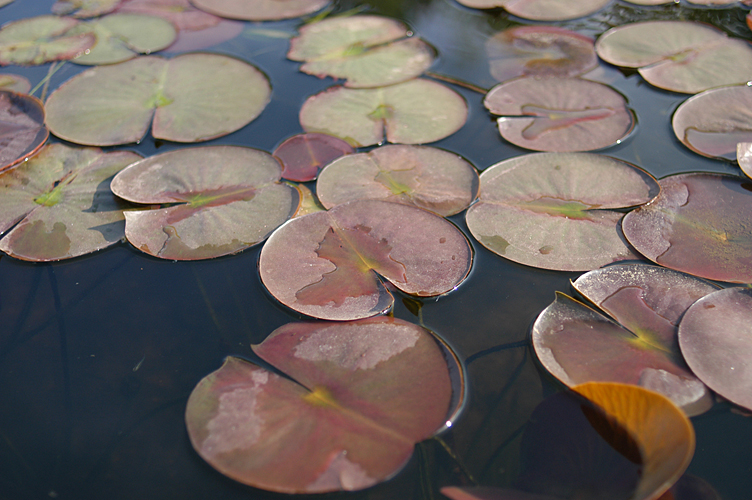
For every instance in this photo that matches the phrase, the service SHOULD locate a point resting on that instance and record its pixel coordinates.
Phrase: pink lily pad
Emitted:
(414, 112)
(189, 40)
(541, 10)
(222, 199)
(554, 210)
(59, 204)
(714, 122)
(698, 225)
(192, 97)
(302, 156)
(715, 336)
(22, 130)
(422, 176)
(678, 55)
(325, 264)
(84, 8)
(540, 51)
(260, 10)
(367, 51)
(42, 39)
(15, 83)
(577, 344)
(559, 114)
(359, 396)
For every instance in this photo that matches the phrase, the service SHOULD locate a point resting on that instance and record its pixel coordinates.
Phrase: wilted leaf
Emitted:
(22, 130)
(303, 155)
(84, 8)
(260, 10)
(42, 39)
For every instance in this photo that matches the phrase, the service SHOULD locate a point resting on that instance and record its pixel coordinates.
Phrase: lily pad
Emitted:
(180, 13)
(559, 114)
(699, 224)
(414, 112)
(22, 130)
(358, 397)
(540, 51)
(367, 51)
(42, 39)
(422, 176)
(541, 10)
(192, 97)
(121, 37)
(84, 8)
(744, 157)
(59, 204)
(715, 336)
(15, 83)
(260, 10)
(325, 264)
(222, 199)
(554, 210)
(302, 156)
(680, 56)
(714, 122)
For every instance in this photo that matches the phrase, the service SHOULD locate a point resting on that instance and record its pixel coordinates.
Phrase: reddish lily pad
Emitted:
(222, 199)
(22, 130)
(15, 83)
(714, 122)
(422, 176)
(60, 203)
(540, 51)
(414, 112)
(42, 39)
(541, 10)
(260, 10)
(359, 396)
(189, 40)
(192, 97)
(367, 51)
(559, 114)
(715, 336)
(325, 264)
(84, 8)
(678, 55)
(699, 224)
(302, 156)
(554, 210)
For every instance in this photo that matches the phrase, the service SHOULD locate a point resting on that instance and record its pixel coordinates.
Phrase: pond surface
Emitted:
(99, 354)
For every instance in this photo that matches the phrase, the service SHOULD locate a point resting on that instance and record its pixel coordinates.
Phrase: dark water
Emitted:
(99, 354)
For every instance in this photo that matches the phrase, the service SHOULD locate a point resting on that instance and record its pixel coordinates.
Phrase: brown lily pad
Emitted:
(22, 130)
(303, 155)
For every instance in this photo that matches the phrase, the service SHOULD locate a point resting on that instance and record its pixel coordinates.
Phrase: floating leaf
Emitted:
(744, 157)
(223, 199)
(84, 8)
(308, 201)
(714, 122)
(325, 264)
(42, 39)
(260, 10)
(359, 396)
(422, 176)
(715, 336)
(559, 114)
(61, 204)
(553, 210)
(180, 13)
(121, 37)
(367, 51)
(680, 56)
(699, 224)
(413, 112)
(188, 40)
(303, 155)
(22, 130)
(15, 83)
(193, 97)
(541, 10)
(540, 51)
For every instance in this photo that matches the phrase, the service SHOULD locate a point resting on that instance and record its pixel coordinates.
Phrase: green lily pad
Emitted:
(84, 8)
(541, 10)
(59, 204)
(42, 39)
(555, 210)
(192, 97)
(680, 56)
(414, 112)
(325, 264)
(699, 224)
(713, 122)
(180, 13)
(422, 176)
(260, 10)
(358, 397)
(303, 155)
(121, 37)
(222, 199)
(559, 114)
(715, 336)
(22, 130)
(15, 83)
(367, 51)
